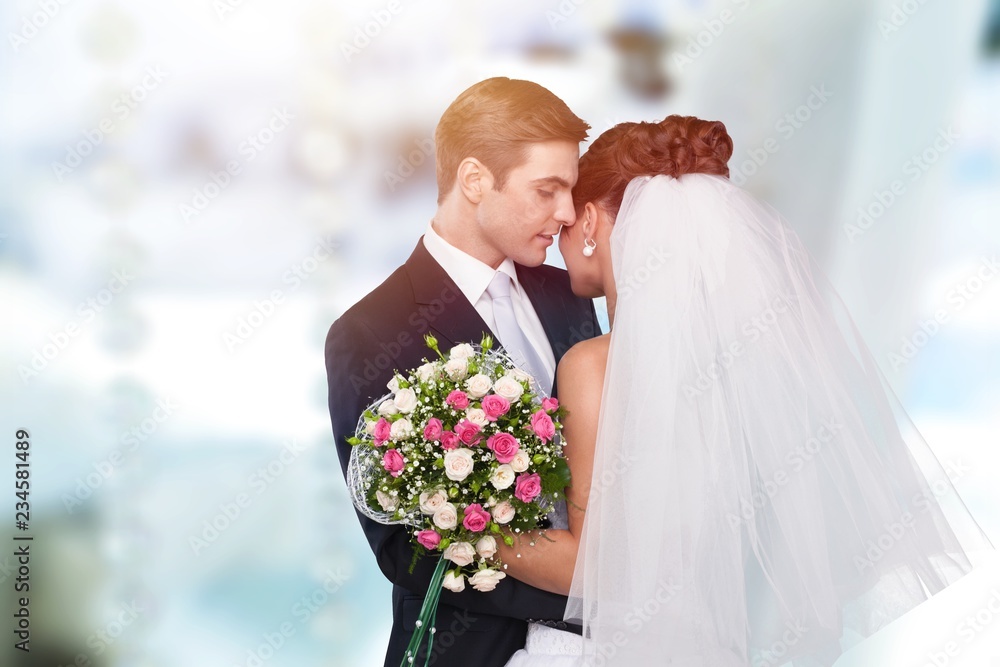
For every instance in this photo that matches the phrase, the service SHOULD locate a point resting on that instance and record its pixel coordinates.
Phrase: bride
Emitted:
(746, 490)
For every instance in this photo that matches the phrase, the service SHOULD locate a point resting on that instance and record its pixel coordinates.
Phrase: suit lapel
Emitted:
(551, 314)
(441, 303)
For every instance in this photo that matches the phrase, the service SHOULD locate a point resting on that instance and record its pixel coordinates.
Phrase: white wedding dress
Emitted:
(549, 646)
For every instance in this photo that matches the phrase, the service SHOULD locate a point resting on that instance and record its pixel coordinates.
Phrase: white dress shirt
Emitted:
(473, 277)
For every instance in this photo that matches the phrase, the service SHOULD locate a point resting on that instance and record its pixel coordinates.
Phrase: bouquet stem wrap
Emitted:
(426, 620)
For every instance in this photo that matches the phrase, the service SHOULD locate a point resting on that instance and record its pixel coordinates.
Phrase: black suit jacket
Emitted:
(384, 332)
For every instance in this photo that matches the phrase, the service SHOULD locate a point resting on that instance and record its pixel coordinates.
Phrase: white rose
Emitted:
(453, 583)
(520, 375)
(393, 384)
(478, 385)
(388, 502)
(388, 408)
(520, 462)
(405, 401)
(432, 501)
(509, 388)
(427, 371)
(503, 512)
(485, 581)
(502, 477)
(458, 464)
(462, 351)
(401, 429)
(460, 553)
(477, 416)
(457, 369)
(486, 547)
(370, 427)
(446, 518)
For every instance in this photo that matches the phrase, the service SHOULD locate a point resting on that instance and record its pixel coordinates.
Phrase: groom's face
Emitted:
(521, 220)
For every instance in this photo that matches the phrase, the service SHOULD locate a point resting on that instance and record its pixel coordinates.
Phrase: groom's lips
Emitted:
(547, 238)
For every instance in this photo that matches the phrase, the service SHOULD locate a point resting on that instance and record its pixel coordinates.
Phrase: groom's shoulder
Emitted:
(387, 303)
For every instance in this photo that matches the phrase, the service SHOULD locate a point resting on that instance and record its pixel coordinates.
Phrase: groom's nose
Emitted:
(565, 212)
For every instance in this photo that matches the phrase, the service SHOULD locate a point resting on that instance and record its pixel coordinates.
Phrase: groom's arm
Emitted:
(352, 349)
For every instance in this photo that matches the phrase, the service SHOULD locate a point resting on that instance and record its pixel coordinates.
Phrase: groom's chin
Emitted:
(531, 255)
(531, 261)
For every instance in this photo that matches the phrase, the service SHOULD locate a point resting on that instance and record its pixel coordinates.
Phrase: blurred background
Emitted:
(193, 191)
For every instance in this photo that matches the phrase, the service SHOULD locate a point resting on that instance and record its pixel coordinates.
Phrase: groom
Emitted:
(507, 153)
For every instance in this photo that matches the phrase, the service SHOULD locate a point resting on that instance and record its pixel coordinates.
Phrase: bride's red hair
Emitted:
(675, 146)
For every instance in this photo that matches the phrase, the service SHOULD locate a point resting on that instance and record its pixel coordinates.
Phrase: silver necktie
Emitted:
(510, 334)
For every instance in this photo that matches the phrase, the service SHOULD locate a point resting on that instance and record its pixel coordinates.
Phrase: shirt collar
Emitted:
(471, 275)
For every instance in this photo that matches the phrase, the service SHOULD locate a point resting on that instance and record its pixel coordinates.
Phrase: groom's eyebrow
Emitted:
(551, 180)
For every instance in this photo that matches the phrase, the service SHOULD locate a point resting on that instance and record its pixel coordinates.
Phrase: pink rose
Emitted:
(381, 432)
(527, 487)
(429, 539)
(495, 406)
(550, 404)
(476, 518)
(458, 399)
(542, 425)
(450, 440)
(433, 430)
(393, 462)
(468, 432)
(504, 446)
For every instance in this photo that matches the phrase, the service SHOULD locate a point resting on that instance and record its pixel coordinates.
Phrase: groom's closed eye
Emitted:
(555, 181)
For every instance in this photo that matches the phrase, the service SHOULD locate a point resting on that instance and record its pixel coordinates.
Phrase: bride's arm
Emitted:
(550, 562)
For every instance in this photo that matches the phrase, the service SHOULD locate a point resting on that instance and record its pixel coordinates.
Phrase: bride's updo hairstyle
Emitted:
(675, 146)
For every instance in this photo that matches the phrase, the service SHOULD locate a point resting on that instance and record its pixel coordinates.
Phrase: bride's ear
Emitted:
(596, 220)
(590, 213)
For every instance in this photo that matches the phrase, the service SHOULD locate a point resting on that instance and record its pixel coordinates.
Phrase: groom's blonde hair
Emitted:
(495, 121)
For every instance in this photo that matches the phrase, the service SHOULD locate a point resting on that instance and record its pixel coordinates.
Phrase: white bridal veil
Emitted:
(759, 497)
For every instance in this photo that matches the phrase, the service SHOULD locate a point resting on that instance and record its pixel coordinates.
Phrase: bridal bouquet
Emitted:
(465, 452)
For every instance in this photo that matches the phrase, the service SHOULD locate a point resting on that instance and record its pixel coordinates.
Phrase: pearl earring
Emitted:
(588, 249)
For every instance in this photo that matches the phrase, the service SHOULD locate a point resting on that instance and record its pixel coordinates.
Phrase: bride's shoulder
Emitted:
(586, 359)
